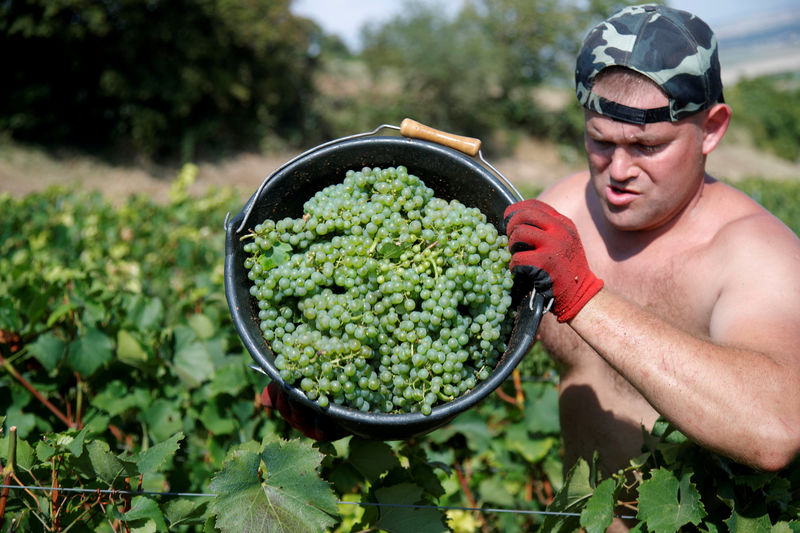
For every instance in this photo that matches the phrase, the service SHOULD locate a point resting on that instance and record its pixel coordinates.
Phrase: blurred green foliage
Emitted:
(769, 109)
(194, 79)
(154, 78)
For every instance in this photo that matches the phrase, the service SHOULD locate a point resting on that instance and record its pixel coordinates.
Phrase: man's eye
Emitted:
(602, 145)
(650, 148)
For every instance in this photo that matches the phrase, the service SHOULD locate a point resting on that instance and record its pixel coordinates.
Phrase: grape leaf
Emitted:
(129, 351)
(667, 504)
(228, 379)
(145, 314)
(202, 326)
(144, 512)
(473, 426)
(152, 459)
(106, 465)
(389, 250)
(751, 519)
(532, 449)
(275, 490)
(275, 256)
(541, 408)
(371, 458)
(75, 445)
(575, 492)
(90, 351)
(786, 527)
(184, 511)
(599, 511)
(193, 363)
(9, 317)
(48, 350)
(216, 420)
(163, 419)
(395, 517)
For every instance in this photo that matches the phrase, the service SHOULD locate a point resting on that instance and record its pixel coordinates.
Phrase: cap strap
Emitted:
(633, 115)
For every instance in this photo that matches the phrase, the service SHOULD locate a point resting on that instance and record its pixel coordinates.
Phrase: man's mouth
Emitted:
(620, 196)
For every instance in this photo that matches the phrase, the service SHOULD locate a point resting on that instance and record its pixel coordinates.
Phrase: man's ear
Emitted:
(714, 125)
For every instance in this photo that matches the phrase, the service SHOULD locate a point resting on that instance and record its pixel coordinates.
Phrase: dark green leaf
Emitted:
(751, 519)
(666, 504)
(228, 379)
(599, 511)
(185, 511)
(163, 419)
(145, 513)
(276, 490)
(145, 313)
(371, 458)
(106, 465)
(49, 350)
(75, 446)
(9, 317)
(470, 424)
(215, 420)
(541, 408)
(90, 351)
(154, 458)
(396, 517)
(570, 499)
(494, 492)
(117, 397)
(193, 363)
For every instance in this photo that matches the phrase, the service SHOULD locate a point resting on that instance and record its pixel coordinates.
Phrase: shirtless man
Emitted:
(675, 295)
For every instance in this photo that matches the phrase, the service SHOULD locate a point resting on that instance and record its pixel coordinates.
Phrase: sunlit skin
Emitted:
(699, 319)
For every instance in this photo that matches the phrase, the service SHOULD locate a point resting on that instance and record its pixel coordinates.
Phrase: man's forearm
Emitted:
(737, 402)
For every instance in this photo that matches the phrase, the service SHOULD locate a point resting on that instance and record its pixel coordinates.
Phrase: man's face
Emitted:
(643, 175)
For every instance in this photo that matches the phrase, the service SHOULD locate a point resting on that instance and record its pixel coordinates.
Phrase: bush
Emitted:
(769, 109)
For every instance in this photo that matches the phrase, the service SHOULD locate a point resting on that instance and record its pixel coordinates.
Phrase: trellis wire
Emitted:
(123, 492)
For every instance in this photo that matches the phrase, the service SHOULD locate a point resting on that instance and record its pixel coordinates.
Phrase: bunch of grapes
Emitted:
(382, 297)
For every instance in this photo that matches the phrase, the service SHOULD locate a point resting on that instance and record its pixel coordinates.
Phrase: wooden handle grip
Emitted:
(416, 130)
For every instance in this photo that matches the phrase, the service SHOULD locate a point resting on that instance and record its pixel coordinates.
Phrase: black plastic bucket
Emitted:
(452, 175)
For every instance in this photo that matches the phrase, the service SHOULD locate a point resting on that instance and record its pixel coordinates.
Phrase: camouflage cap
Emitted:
(675, 49)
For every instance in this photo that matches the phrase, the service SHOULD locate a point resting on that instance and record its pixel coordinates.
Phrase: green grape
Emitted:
(382, 296)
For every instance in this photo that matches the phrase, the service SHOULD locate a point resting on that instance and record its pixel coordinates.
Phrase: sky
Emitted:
(346, 17)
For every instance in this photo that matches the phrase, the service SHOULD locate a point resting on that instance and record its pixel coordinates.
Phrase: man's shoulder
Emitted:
(743, 220)
(568, 193)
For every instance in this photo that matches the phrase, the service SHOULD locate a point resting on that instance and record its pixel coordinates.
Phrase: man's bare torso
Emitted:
(675, 276)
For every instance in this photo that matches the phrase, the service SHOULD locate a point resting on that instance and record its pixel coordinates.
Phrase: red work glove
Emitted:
(304, 419)
(545, 246)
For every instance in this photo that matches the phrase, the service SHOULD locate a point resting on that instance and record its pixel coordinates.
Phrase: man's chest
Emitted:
(679, 283)
(680, 288)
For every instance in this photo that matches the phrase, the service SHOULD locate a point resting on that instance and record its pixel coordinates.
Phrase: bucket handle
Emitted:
(410, 128)
(417, 130)
(467, 145)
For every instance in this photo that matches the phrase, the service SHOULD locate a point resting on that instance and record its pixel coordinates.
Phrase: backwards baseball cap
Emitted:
(673, 48)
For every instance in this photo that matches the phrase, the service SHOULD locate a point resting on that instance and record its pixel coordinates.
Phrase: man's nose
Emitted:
(623, 165)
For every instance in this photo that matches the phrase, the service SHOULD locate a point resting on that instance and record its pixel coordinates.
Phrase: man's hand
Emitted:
(546, 247)
(306, 420)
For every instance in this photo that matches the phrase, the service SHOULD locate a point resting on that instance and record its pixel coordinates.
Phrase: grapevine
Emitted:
(381, 296)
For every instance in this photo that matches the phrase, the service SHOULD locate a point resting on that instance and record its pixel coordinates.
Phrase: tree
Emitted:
(156, 78)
